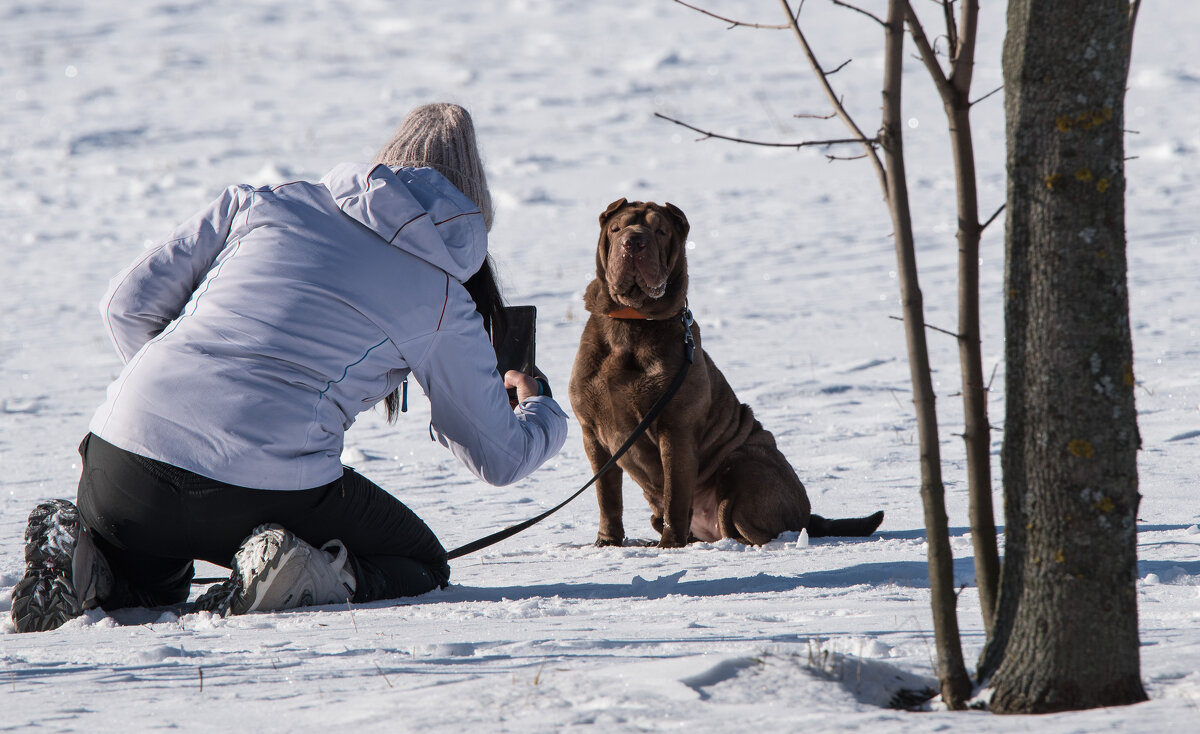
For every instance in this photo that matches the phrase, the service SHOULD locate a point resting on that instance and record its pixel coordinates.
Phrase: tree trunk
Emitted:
(1066, 629)
(955, 90)
(952, 672)
(977, 432)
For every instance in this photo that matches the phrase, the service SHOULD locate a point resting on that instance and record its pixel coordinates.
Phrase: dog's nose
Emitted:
(633, 242)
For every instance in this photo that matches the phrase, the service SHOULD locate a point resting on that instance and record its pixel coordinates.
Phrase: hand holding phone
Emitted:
(515, 345)
(520, 386)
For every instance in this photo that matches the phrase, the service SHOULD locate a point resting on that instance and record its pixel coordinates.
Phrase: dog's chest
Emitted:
(615, 379)
(621, 378)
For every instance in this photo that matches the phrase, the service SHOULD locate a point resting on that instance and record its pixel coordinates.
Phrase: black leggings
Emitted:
(152, 519)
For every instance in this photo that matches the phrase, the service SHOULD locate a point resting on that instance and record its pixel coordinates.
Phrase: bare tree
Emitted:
(1066, 627)
(954, 88)
(886, 153)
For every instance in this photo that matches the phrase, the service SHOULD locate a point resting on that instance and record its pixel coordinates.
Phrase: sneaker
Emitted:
(65, 574)
(274, 570)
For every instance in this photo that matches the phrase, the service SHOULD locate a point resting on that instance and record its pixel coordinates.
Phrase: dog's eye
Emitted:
(614, 228)
(660, 232)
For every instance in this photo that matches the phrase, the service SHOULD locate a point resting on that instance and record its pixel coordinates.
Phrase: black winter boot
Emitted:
(65, 574)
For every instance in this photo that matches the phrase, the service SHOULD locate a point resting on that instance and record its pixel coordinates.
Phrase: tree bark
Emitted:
(1066, 628)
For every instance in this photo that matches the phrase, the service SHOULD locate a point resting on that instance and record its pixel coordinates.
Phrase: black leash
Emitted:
(689, 346)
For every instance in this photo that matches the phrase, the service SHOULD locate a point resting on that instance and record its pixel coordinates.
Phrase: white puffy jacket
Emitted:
(262, 327)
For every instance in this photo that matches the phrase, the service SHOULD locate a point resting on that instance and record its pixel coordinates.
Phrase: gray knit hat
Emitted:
(442, 136)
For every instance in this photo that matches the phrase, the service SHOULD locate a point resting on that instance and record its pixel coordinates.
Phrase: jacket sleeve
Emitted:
(470, 410)
(142, 299)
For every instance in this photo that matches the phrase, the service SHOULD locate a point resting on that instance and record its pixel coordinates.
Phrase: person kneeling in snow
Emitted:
(252, 338)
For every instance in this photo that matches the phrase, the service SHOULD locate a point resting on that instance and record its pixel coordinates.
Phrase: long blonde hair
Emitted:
(442, 136)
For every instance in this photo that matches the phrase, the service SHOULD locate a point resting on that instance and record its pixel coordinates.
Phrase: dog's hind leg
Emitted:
(727, 527)
(761, 497)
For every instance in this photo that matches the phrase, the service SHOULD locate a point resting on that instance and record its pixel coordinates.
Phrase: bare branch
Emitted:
(383, 675)
(838, 107)
(991, 219)
(962, 55)
(931, 327)
(951, 29)
(802, 144)
(833, 158)
(928, 55)
(830, 116)
(875, 18)
(733, 23)
(997, 89)
(843, 65)
(937, 40)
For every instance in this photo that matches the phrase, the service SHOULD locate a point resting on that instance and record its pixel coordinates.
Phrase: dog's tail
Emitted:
(854, 527)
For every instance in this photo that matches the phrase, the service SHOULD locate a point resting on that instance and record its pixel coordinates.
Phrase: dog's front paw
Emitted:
(670, 537)
(603, 541)
(670, 540)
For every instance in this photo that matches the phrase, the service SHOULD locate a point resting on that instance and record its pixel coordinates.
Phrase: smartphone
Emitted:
(514, 342)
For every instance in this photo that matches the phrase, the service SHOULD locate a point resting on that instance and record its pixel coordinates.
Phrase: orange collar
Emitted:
(628, 313)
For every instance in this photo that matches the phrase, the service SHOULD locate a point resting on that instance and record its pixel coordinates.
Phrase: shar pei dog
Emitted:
(706, 466)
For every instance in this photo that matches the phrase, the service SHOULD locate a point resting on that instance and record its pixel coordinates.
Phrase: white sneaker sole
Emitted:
(274, 587)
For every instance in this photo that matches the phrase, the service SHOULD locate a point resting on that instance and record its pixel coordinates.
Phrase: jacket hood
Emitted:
(415, 209)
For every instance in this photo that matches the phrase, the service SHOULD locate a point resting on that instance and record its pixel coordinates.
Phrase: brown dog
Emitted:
(708, 469)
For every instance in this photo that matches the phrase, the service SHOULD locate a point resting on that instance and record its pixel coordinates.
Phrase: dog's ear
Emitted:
(612, 208)
(680, 219)
(602, 245)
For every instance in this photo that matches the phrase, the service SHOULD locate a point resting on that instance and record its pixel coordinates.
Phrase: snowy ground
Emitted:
(121, 119)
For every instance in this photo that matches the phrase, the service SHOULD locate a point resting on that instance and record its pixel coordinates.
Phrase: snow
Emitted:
(122, 119)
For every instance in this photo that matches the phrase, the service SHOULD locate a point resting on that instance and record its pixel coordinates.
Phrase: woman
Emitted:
(252, 338)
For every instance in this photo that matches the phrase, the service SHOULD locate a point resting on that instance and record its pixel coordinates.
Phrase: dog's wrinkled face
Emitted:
(641, 246)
